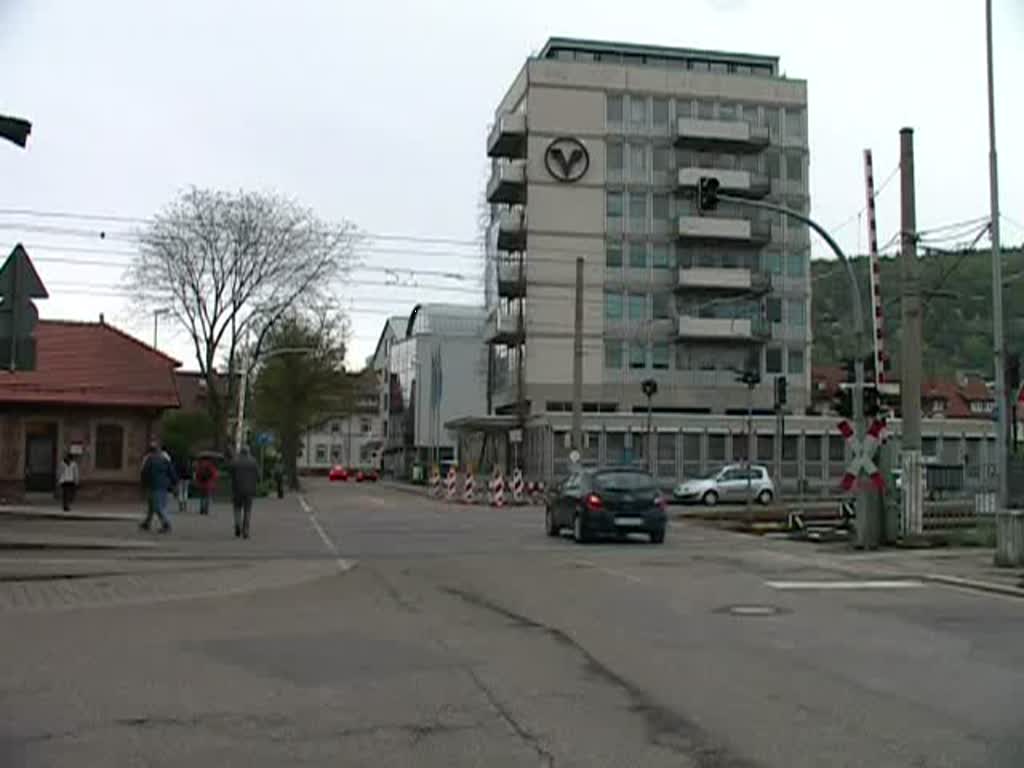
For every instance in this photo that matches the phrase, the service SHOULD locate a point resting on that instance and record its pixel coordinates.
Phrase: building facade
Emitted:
(351, 437)
(596, 150)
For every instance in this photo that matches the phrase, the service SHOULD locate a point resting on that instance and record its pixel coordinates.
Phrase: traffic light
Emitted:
(15, 129)
(780, 391)
(19, 284)
(707, 193)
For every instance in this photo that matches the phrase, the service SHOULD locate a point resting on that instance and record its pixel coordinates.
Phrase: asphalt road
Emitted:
(448, 636)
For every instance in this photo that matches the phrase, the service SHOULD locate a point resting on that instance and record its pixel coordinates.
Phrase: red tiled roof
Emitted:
(975, 388)
(942, 389)
(92, 364)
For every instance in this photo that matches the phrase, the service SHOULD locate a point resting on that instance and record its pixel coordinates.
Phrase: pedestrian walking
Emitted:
(68, 480)
(183, 469)
(206, 482)
(158, 478)
(245, 481)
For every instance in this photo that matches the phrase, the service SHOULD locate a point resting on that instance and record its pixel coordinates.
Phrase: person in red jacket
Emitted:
(206, 482)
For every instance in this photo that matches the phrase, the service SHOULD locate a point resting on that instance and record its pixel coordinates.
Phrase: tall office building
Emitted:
(597, 148)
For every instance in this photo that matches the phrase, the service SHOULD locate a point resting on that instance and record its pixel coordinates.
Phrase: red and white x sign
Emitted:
(862, 454)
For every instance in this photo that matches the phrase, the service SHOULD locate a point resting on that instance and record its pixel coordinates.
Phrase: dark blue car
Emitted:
(613, 501)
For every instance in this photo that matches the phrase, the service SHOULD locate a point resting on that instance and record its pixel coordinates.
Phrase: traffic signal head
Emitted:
(780, 390)
(707, 193)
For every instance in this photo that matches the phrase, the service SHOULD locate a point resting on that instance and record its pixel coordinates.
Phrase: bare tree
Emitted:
(228, 267)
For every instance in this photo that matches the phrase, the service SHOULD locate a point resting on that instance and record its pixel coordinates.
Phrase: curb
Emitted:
(973, 584)
(28, 542)
(28, 514)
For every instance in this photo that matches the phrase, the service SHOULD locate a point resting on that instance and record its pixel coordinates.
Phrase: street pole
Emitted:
(750, 439)
(650, 441)
(997, 273)
(240, 418)
(577, 362)
(910, 375)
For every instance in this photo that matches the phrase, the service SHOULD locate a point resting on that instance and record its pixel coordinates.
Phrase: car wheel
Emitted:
(764, 498)
(549, 522)
(579, 530)
(710, 498)
(658, 536)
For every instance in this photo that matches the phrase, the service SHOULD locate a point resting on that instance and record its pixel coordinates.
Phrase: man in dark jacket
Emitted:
(245, 481)
(158, 477)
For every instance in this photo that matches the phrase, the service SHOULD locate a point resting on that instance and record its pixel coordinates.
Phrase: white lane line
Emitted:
(833, 585)
(609, 571)
(343, 564)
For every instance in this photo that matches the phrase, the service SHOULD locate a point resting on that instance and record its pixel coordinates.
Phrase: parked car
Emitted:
(607, 500)
(728, 483)
(366, 475)
(338, 474)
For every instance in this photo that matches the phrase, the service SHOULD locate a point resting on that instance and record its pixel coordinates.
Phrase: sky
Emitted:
(377, 112)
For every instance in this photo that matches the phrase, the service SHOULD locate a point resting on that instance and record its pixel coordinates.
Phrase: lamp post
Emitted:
(650, 389)
(751, 379)
(156, 323)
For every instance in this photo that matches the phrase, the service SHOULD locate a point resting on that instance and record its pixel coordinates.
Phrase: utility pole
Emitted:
(650, 388)
(910, 374)
(577, 362)
(997, 274)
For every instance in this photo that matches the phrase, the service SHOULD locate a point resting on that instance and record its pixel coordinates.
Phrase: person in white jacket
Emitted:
(68, 480)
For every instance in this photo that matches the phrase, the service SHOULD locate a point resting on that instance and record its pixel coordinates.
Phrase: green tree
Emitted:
(300, 380)
(183, 433)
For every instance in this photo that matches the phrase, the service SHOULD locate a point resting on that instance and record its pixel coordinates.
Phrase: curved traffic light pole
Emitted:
(859, 425)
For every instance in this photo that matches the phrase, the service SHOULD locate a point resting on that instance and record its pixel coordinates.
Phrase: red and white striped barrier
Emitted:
(435, 483)
(517, 486)
(536, 492)
(469, 488)
(497, 488)
(451, 483)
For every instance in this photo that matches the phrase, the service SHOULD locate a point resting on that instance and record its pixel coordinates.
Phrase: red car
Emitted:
(366, 476)
(338, 474)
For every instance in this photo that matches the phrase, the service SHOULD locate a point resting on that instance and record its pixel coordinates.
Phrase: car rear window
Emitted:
(623, 480)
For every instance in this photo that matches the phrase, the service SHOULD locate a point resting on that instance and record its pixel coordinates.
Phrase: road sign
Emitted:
(862, 453)
(19, 284)
(574, 456)
(264, 438)
(515, 435)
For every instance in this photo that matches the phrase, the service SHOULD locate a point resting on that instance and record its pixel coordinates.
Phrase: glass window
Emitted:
(772, 116)
(772, 165)
(796, 361)
(726, 111)
(772, 261)
(796, 311)
(796, 263)
(615, 157)
(659, 109)
(684, 108)
(613, 254)
(794, 166)
(614, 108)
(660, 159)
(774, 309)
(321, 452)
(686, 158)
(637, 112)
(614, 205)
(659, 208)
(637, 355)
(699, 66)
(109, 453)
(716, 448)
(796, 124)
(661, 305)
(637, 306)
(719, 67)
(660, 355)
(637, 254)
(613, 354)
(742, 69)
(638, 161)
(773, 360)
(613, 305)
(660, 258)
(637, 212)
(705, 110)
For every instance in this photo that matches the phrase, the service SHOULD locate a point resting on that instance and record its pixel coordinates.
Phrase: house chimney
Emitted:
(102, 322)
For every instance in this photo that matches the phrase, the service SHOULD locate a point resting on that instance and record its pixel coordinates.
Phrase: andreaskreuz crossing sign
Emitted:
(862, 454)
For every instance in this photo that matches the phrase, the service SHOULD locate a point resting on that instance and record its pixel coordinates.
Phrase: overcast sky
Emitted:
(376, 112)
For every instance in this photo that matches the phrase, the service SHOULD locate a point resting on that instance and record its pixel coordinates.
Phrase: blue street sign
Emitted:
(264, 438)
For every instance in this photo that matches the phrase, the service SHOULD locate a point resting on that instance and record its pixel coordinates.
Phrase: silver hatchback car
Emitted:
(728, 483)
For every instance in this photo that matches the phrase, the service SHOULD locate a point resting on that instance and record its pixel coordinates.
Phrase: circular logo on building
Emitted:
(566, 159)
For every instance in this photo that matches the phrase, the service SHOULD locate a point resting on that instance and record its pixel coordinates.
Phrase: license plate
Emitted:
(630, 521)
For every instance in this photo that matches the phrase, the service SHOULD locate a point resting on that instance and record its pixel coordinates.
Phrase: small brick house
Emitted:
(97, 392)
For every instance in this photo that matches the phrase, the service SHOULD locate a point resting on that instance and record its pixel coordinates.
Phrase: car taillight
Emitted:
(593, 502)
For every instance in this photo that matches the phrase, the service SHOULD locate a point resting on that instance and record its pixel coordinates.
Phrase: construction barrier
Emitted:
(517, 486)
(537, 492)
(451, 482)
(435, 483)
(469, 488)
(497, 488)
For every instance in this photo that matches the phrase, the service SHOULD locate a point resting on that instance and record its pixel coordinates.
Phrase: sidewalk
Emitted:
(121, 511)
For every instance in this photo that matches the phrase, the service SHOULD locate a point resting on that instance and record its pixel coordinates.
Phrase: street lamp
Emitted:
(156, 323)
(650, 389)
(751, 379)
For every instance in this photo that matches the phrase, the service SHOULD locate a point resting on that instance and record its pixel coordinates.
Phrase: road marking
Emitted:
(343, 564)
(609, 571)
(861, 584)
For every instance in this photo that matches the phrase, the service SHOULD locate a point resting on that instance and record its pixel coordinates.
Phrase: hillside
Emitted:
(957, 298)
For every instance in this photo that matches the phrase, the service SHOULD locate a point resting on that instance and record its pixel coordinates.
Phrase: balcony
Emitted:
(511, 277)
(503, 327)
(508, 136)
(720, 135)
(512, 229)
(738, 280)
(507, 183)
(742, 329)
(713, 228)
(739, 183)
